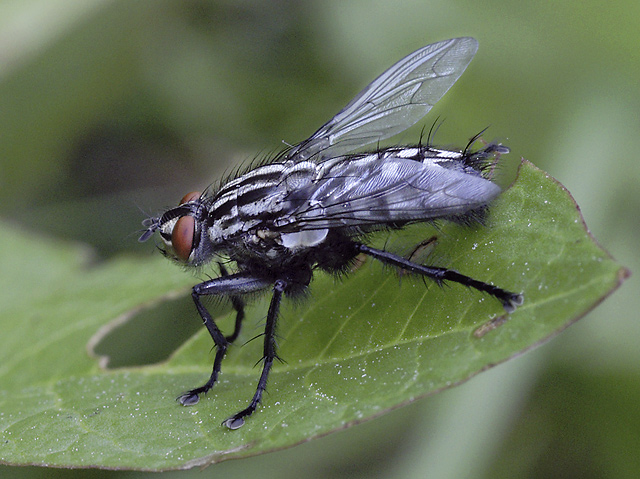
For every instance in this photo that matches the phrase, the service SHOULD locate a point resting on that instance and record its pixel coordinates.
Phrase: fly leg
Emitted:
(269, 355)
(230, 285)
(238, 306)
(510, 301)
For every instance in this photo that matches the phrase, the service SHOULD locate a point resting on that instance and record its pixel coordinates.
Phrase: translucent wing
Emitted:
(393, 102)
(391, 189)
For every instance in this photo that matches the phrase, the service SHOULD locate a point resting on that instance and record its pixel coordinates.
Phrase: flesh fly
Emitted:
(313, 205)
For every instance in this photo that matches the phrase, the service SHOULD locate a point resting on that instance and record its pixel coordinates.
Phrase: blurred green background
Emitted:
(112, 107)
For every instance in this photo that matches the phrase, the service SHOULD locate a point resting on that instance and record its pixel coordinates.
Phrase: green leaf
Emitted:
(354, 350)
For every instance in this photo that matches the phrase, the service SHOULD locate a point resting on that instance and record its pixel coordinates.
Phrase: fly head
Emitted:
(182, 232)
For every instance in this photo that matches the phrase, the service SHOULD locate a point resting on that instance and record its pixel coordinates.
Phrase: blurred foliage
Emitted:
(108, 106)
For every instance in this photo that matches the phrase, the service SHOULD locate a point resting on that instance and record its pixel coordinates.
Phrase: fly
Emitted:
(313, 205)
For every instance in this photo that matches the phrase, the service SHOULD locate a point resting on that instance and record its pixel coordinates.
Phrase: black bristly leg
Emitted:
(238, 306)
(269, 355)
(230, 285)
(510, 301)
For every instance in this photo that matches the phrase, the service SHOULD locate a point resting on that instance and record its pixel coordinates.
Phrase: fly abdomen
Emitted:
(392, 186)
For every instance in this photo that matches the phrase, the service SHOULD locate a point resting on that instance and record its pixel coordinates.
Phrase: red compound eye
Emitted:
(194, 195)
(182, 237)
(183, 231)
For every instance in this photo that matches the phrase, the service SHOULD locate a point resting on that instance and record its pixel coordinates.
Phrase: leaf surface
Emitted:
(356, 348)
